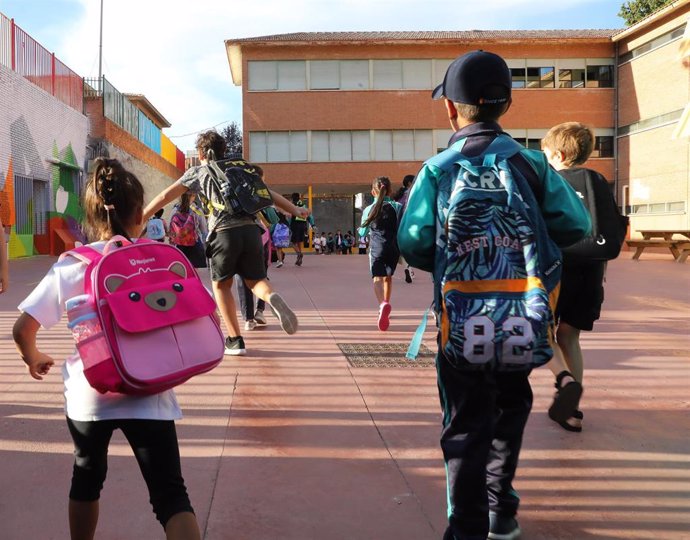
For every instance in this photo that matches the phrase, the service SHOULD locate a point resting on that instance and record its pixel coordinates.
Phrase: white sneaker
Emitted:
(250, 325)
(279, 264)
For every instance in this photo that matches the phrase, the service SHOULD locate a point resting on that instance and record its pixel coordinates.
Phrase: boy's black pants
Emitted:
(484, 416)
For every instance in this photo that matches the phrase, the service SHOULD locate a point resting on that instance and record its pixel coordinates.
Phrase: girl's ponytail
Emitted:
(112, 199)
(382, 187)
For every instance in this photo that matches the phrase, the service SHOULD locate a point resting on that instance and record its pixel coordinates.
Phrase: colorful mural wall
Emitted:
(42, 151)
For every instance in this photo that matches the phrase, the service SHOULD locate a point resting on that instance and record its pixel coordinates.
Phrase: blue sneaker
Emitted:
(503, 528)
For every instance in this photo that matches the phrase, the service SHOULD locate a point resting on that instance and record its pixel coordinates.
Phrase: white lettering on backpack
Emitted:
(135, 262)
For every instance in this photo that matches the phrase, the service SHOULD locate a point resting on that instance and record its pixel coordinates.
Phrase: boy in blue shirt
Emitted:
(485, 410)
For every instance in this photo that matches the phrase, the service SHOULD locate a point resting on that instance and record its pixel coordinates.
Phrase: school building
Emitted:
(325, 113)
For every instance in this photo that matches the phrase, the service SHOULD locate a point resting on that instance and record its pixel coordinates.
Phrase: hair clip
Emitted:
(109, 206)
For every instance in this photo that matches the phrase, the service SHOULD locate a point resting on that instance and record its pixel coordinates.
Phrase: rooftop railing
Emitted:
(24, 55)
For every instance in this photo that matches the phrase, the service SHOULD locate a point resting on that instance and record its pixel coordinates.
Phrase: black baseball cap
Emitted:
(476, 78)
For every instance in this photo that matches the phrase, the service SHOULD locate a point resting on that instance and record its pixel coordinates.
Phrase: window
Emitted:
(677, 206)
(540, 77)
(383, 145)
(403, 145)
(292, 75)
(533, 144)
(440, 68)
(263, 76)
(257, 147)
(519, 77)
(571, 78)
(319, 146)
(277, 146)
(603, 147)
(31, 203)
(360, 146)
(599, 76)
(324, 75)
(387, 74)
(340, 146)
(354, 75)
(416, 74)
(423, 144)
(653, 44)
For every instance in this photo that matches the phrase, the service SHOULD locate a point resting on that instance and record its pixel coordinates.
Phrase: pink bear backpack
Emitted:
(146, 323)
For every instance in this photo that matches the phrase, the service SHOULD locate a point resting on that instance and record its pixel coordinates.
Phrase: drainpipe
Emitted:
(616, 182)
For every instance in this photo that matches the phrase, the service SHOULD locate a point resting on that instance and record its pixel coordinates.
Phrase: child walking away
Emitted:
(298, 227)
(113, 202)
(485, 216)
(401, 197)
(380, 222)
(234, 241)
(156, 228)
(280, 234)
(567, 146)
(184, 231)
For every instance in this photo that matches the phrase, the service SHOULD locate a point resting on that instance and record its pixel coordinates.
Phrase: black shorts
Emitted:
(298, 230)
(154, 443)
(582, 294)
(383, 266)
(236, 251)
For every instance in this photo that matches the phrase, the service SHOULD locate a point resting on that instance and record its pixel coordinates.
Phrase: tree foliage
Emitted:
(232, 133)
(634, 11)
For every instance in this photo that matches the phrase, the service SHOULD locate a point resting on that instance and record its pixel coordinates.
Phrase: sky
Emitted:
(173, 51)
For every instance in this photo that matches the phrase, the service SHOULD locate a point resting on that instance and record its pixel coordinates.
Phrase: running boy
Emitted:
(233, 245)
(485, 410)
(566, 146)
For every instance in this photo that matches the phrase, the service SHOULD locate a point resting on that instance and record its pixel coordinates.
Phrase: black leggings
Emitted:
(154, 443)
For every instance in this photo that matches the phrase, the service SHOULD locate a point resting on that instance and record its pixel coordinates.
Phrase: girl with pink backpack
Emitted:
(113, 205)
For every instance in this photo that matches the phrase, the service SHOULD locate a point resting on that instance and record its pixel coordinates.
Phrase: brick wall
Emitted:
(34, 128)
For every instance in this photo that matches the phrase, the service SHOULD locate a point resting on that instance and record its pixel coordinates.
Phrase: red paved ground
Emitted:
(291, 442)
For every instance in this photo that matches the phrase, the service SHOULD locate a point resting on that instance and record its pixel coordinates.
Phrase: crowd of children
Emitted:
(440, 221)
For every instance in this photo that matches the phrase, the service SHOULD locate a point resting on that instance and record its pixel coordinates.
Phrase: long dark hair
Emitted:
(382, 187)
(112, 199)
(407, 182)
(185, 200)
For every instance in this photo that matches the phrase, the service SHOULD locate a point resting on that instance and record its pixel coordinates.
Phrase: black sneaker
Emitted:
(408, 276)
(503, 528)
(234, 346)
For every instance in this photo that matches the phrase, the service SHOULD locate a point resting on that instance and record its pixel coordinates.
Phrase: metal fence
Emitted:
(23, 54)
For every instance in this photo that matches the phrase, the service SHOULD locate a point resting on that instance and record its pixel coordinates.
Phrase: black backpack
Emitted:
(609, 227)
(241, 188)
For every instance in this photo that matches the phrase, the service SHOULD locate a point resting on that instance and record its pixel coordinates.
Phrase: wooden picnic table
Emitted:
(679, 247)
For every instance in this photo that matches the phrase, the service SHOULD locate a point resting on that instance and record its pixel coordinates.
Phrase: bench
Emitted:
(679, 248)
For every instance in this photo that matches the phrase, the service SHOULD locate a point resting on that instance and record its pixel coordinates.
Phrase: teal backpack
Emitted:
(497, 270)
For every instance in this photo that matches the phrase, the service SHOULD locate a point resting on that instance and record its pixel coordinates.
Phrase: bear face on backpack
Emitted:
(497, 271)
(157, 323)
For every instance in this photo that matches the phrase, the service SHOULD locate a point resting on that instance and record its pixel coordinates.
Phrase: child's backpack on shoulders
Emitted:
(497, 271)
(281, 235)
(183, 229)
(609, 227)
(241, 189)
(153, 324)
(155, 229)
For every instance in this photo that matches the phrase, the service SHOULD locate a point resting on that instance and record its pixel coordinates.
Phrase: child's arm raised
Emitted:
(282, 203)
(166, 196)
(24, 334)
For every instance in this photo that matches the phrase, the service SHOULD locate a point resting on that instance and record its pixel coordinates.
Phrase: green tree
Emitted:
(232, 133)
(634, 11)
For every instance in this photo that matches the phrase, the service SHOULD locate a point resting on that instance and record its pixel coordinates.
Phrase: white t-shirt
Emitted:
(46, 304)
(322, 240)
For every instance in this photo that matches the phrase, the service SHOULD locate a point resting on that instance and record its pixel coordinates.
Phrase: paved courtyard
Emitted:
(291, 442)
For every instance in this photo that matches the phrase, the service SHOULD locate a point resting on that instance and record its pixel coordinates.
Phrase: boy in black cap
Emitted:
(485, 406)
